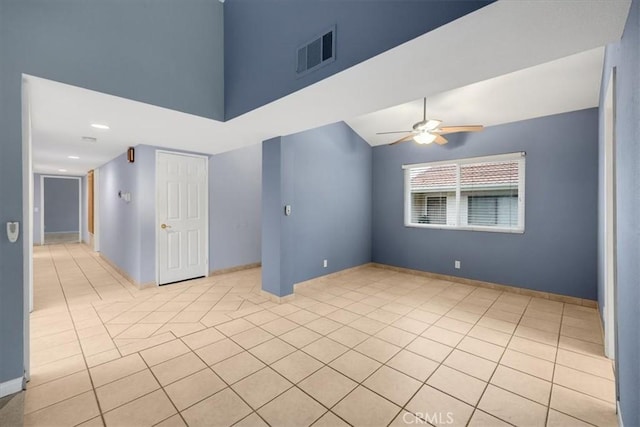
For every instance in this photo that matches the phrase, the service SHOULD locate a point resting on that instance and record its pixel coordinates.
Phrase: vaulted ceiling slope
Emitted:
(566, 84)
(491, 43)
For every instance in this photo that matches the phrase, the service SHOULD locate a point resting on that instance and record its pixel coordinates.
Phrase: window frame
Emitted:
(518, 156)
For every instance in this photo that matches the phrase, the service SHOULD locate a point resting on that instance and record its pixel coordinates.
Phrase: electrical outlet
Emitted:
(324, 264)
(457, 265)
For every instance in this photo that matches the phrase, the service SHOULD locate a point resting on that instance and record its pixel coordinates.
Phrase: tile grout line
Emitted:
(440, 364)
(84, 274)
(228, 386)
(162, 305)
(361, 383)
(341, 325)
(466, 335)
(106, 267)
(553, 372)
(488, 382)
(484, 313)
(161, 388)
(298, 382)
(487, 309)
(93, 388)
(433, 324)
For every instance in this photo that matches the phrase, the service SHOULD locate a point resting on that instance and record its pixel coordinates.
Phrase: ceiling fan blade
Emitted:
(440, 140)
(396, 131)
(403, 139)
(453, 129)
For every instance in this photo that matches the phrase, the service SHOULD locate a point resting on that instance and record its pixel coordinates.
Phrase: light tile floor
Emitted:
(370, 347)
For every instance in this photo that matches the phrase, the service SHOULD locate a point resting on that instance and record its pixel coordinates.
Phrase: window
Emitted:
(498, 210)
(432, 209)
(483, 193)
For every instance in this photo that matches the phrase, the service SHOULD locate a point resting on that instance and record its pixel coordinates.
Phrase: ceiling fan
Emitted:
(428, 131)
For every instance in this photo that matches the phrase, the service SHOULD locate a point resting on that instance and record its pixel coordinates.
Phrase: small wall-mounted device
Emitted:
(131, 154)
(124, 195)
(287, 210)
(13, 231)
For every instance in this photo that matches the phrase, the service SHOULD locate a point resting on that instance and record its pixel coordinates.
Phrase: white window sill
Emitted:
(468, 228)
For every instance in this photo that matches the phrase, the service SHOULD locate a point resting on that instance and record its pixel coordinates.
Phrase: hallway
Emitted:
(367, 347)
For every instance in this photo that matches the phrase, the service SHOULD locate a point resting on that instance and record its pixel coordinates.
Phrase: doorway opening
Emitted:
(60, 209)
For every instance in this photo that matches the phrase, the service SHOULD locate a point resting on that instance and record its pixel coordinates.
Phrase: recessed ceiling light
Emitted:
(73, 157)
(62, 170)
(99, 126)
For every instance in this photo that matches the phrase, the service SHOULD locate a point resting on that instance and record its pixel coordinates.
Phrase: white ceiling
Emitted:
(566, 84)
(489, 44)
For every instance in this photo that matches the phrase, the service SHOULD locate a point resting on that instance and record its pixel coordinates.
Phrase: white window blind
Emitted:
(483, 193)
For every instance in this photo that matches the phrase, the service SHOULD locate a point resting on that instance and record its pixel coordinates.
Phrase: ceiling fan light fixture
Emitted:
(424, 138)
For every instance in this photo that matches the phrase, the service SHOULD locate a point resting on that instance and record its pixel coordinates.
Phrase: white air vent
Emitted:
(316, 53)
(88, 139)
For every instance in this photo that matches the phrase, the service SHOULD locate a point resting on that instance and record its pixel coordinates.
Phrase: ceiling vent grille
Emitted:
(316, 53)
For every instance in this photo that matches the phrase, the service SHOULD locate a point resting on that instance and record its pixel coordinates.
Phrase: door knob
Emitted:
(163, 226)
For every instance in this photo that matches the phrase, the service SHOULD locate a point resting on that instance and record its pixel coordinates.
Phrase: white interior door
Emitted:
(182, 217)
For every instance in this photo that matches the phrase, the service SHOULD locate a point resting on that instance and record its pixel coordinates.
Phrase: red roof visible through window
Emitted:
(472, 175)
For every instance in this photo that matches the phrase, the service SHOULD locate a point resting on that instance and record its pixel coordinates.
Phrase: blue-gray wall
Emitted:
(145, 195)
(235, 213)
(61, 205)
(557, 252)
(133, 49)
(261, 38)
(119, 221)
(131, 247)
(274, 250)
(625, 56)
(325, 175)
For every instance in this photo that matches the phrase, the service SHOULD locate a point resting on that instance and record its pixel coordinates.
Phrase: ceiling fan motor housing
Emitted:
(426, 125)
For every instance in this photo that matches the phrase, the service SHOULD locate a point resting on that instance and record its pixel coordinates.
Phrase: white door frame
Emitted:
(96, 209)
(609, 309)
(79, 179)
(206, 204)
(27, 224)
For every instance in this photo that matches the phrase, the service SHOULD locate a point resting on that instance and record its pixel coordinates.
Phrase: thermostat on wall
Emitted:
(13, 231)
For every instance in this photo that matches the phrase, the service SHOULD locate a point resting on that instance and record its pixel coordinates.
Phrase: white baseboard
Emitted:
(275, 298)
(10, 387)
